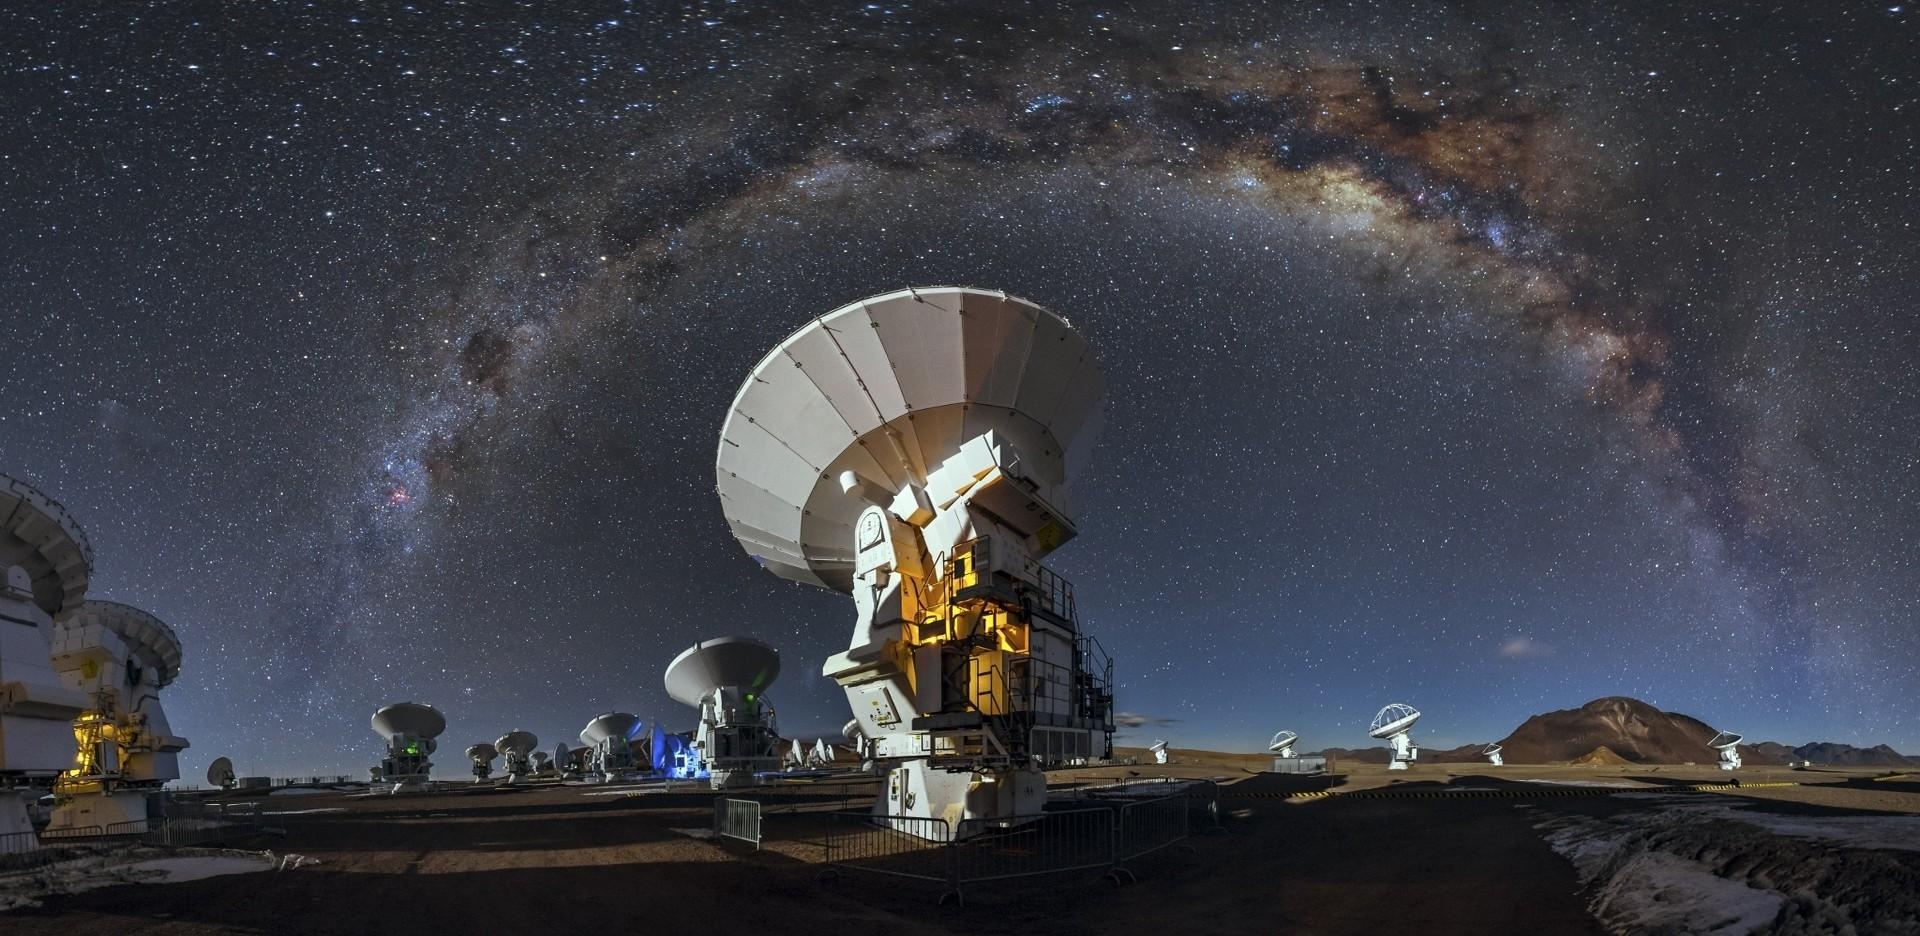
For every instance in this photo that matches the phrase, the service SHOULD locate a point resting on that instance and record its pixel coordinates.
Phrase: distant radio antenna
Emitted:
(517, 748)
(1391, 725)
(1282, 743)
(1159, 751)
(1728, 744)
(609, 741)
(410, 729)
(1492, 754)
(481, 757)
(220, 773)
(726, 678)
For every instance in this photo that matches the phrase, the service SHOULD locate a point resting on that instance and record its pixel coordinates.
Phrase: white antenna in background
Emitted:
(220, 773)
(1391, 725)
(517, 747)
(1282, 743)
(1159, 751)
(609, 748)
(1492, 754)
(725, 678)
(481, 757)
(822, 754)
(542, 764)
(796, 756)
(410, 729)
(1728, 744)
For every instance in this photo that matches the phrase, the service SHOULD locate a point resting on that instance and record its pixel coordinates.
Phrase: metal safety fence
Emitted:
(737, 819)
(176, 822)
(1092, 838)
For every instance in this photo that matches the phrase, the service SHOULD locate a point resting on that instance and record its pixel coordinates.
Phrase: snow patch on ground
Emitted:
(96, 867)
(1698, 866)
(1658, 892)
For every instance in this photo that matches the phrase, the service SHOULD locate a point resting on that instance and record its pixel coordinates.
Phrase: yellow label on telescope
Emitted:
(1048, 537)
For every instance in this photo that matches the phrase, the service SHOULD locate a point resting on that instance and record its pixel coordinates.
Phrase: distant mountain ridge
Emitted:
(1617, 729)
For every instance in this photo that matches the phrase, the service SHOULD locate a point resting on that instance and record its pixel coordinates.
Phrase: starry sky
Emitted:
(1466, 355)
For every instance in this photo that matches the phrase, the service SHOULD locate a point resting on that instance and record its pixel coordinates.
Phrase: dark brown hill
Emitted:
(1630, 728)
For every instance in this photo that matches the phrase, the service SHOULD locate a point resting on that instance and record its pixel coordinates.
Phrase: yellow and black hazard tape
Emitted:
(1505, 793)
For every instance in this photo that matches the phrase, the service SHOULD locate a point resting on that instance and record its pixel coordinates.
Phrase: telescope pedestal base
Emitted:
(966, 802)
(111, 813)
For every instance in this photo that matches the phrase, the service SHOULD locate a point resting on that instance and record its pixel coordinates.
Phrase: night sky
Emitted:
(1480, 358)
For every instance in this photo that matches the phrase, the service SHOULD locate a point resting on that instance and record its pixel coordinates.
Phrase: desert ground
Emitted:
(1441, 848)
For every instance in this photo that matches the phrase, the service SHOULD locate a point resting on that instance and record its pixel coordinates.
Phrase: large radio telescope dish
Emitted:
(885, 388)
(517, 743)
(1282, 740)
(1724, 740)
(482, 751)
(149, 640)
(610, 725)
(723, 661)
(38, 535)
(410, 719)
(1394, 719)
(220, 772)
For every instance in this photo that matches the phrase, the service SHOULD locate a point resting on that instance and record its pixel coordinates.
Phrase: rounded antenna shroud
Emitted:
(153, 644)
(39, 535)
(740, 662)
(482, 751)
(220, 772)
(888, 387)
(609, 725)
(413, 719)
(1282, 739)
(1724, 740)
(517, 742)
(1395, 718)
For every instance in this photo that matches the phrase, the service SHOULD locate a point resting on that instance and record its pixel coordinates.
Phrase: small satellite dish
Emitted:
(481, 756)
(1391, 725)
(1282, 743)
(1159, 751)
(1728, 744)
(220, 773)
(1492, 754)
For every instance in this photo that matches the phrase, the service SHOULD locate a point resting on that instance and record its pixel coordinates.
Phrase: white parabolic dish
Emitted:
(410, 719)
(1392, 720)
(220, 772)
(723, 661)
(1281, 740)
(521, 743)
(610, 725)
(887, 387)
(1724, 740)
(1492, 749)
(482, 751)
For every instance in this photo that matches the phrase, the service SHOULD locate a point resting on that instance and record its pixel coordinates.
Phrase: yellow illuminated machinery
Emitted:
(912, 451)
(120, 657)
